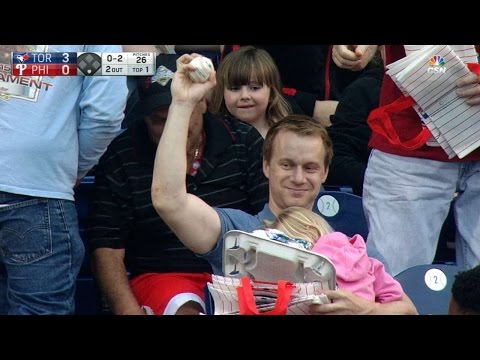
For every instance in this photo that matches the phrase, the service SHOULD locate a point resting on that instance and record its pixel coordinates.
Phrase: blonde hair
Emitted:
(300, 223)
(246, 65)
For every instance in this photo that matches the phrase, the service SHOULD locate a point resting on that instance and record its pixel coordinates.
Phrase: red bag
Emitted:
(380, 122)
(248, 306)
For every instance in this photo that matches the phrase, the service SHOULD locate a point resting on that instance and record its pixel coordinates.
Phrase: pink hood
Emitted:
(356, 272)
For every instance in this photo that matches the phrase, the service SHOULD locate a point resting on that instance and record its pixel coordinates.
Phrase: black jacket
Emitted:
(350, 132)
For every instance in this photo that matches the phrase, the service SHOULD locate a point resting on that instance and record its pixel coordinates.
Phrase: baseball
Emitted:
(204, 67)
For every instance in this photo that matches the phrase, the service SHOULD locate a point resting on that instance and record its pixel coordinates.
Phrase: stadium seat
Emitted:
(83, 195)
(86, 296)
(429, 287)
(342, 188)
(343, 211)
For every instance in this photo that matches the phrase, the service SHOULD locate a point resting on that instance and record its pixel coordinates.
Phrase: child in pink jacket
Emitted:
(356, 271)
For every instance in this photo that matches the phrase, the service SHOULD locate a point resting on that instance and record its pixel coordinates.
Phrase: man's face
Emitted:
(157, 119)
(156, 123)
(296, 171)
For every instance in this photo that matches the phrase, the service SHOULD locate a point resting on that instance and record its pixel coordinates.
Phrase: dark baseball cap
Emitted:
(154, 91)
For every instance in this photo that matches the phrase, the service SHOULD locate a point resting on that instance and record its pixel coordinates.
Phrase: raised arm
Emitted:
(195, 223)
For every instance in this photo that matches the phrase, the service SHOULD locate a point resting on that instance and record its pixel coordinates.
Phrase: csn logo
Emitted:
(436, 65)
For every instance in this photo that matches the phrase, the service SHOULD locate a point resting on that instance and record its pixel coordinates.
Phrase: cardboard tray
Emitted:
(245, 254)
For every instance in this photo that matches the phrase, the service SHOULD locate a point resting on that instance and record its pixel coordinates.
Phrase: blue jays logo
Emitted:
(22, 57)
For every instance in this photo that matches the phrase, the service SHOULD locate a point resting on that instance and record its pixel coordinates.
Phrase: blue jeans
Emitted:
(406, 201)
(40, 255)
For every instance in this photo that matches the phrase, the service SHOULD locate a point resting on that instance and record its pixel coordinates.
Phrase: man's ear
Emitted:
(266, 168)
(326, 175)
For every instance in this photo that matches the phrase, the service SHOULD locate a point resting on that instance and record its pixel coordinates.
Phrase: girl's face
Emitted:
(248, 103)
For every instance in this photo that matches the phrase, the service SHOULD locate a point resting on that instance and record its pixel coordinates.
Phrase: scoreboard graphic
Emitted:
(83, 64)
